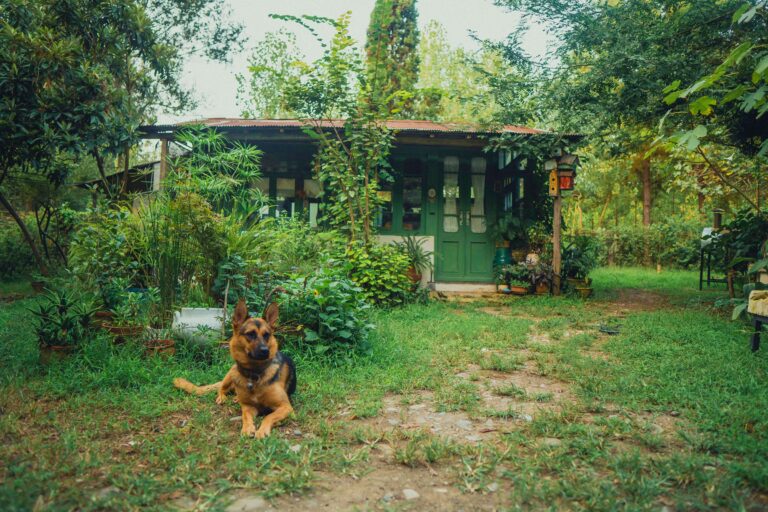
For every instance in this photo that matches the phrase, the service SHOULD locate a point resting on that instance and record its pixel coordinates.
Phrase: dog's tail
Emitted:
(187, 386)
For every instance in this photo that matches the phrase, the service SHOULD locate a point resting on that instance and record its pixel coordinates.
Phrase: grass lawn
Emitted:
(501, 403)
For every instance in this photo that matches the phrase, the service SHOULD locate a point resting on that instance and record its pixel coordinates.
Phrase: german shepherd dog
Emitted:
(263, 378)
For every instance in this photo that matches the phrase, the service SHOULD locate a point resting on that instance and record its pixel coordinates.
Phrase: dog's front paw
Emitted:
(221, 399)
(262, 433)
(249, 431)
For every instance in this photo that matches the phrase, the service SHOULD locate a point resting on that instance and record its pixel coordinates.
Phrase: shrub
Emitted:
(381, 272)
(16, 257)
(63, 318)
(672, 243)
(580, 256)
(291, 246)
(328, 309)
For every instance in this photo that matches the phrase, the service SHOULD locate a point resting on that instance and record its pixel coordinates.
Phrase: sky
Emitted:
(215, 86)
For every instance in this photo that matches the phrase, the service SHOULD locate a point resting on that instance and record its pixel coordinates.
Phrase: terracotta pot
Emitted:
(103, 318)
(413, 275)
(584, 292)
(575, 282)
(123, 332)
(519, 290)
(163, 347)
(52, 353)
(542, 289)
(38, 286)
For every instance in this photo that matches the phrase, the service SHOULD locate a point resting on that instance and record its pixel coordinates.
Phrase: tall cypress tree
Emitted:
(392, 49)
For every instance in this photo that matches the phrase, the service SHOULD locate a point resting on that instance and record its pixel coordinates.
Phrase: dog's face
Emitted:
(253, 340)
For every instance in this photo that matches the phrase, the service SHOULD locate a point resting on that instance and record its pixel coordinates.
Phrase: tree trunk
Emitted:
(27, 235)
(645, 175)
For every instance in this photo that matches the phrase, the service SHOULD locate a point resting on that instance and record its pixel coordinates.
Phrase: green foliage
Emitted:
(15, 255)
(63, 318)
(671, 244)
(391, 49)
(420, 259)
(742, 240)
(274, 62)
(289, 245)
(353, 154)
(220, 170)
(381, 273)
(580, 256)
(329, 310)
(731, 100)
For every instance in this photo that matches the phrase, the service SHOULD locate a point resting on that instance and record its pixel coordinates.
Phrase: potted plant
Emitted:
(541, 276)
(421, 259)
(511, 234)
(159, 342)
(131, 316)
(62, 320)
(515, 277)
(538, 234)
(580, 257)
(111, 290)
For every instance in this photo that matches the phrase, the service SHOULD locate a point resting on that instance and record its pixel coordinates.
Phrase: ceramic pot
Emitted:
(542, 289)
(584, 292)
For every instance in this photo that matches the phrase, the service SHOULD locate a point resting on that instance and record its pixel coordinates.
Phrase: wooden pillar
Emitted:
(163, 163)
(556, 235)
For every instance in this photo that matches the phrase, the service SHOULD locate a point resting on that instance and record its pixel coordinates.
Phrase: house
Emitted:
(447, 190)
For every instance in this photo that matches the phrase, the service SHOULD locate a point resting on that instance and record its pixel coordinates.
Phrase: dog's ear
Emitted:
(240, 316)
(271, 314)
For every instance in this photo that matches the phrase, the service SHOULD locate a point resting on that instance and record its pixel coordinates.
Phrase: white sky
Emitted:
(215, 85)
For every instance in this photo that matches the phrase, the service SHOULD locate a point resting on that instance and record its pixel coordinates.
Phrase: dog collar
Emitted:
(255, 374)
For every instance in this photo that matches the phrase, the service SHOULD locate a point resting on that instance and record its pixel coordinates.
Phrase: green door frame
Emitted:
(463, 255)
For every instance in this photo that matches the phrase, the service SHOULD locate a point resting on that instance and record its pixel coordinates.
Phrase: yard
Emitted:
(495, 403)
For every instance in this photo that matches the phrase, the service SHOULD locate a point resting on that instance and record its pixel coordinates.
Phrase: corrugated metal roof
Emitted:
(397, 125)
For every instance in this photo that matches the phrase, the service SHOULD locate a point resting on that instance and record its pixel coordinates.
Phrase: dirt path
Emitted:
(409, 449)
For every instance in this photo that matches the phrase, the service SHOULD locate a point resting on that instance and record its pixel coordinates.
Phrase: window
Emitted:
(386, 213)
(451, 194)
(312, 192)
(285, 197)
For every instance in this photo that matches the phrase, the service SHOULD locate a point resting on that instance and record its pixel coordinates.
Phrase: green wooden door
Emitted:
(464, 249)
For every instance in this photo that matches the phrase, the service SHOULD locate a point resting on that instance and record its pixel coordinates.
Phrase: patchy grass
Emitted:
(669, 412)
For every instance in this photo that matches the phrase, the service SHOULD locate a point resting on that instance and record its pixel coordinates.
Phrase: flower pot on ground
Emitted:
(519, 288)
(580, 257)
(123, 332)
(584, 292)
(163, 346)
(542, 289)
(421, 259)
(131, 315)
(62, 321)
(102, 318)
(414, 275)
